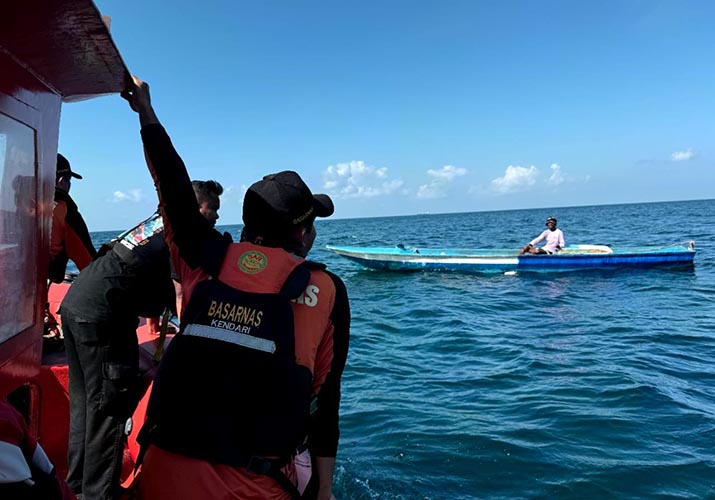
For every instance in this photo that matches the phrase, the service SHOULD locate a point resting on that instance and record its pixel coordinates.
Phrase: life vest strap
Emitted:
(272, 469)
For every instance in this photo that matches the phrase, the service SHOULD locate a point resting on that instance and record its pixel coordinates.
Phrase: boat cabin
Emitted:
(51, 52)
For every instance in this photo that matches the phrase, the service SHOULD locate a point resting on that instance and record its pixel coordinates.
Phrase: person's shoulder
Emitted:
(334, 277)
(108, 264)
(320, 272)
(315, 266)
(341, 292)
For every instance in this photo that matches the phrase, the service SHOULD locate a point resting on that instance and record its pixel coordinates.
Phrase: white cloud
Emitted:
(515, 178)
(232, 193)
(556, 177)
(441, 180)
(358, 180)
(133, 196)
(684, 155)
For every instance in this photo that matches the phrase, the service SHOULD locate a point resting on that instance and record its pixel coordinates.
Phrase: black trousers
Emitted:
(104, 385)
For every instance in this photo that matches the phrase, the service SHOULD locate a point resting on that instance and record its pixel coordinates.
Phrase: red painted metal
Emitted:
(66, 44)
(50, 51)
(27, 102)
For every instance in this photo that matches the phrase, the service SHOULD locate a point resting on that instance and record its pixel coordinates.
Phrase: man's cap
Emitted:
(551, 219)
(63, 168)
(281, 202)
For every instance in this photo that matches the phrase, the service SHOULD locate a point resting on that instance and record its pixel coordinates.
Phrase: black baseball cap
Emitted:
(281, 202)
(551, 219)
(63, 168)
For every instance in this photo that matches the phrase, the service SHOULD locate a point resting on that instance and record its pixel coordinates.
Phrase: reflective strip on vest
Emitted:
(210, 332)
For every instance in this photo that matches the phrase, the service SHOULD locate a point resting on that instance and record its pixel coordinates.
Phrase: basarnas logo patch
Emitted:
(252, 262)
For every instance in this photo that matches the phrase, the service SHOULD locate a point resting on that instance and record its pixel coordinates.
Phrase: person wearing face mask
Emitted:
(553, 237)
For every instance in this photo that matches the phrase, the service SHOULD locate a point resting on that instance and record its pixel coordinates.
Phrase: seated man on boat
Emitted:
(254, 372)
(553, 236)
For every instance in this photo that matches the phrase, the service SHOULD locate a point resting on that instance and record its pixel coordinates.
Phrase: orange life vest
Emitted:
(235, 362)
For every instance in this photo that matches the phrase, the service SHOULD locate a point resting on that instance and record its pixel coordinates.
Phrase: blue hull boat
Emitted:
(571, 258)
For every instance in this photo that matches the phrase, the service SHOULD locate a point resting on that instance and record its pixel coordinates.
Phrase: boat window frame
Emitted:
(19, 239)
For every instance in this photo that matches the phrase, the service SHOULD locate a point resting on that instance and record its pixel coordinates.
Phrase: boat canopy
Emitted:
(64, 43)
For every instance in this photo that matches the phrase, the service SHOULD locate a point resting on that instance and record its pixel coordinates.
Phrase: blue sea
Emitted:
(578, 385)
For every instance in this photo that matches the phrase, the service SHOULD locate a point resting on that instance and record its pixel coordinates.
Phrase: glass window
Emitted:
(18, 227)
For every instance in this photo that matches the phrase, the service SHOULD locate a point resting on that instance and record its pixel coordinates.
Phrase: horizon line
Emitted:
(118, 231)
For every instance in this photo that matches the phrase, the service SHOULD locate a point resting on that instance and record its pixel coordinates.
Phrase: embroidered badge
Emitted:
(252, 262)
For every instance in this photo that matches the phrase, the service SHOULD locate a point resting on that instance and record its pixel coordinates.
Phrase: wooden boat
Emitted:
(573, 257)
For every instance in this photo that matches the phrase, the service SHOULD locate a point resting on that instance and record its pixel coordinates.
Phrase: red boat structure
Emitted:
(52, 52)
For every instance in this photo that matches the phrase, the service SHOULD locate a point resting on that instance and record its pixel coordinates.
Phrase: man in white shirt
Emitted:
(553, 236)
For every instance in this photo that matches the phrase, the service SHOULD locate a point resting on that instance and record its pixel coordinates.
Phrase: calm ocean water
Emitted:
(583, 385)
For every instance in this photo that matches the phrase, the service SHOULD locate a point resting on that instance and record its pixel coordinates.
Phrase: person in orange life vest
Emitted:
(25, 471)
(263, 341)
(208, 197)
(70, 238)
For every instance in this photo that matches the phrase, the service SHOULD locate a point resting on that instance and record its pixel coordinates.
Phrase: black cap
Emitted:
(551, 219)
(281, 202)
(63, 168)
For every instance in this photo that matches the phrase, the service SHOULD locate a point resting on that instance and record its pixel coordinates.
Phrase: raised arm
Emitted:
(185, 226)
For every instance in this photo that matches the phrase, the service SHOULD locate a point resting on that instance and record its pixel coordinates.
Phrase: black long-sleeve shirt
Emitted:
(201, 248)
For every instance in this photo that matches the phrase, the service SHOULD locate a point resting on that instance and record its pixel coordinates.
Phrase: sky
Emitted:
(399, 107)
